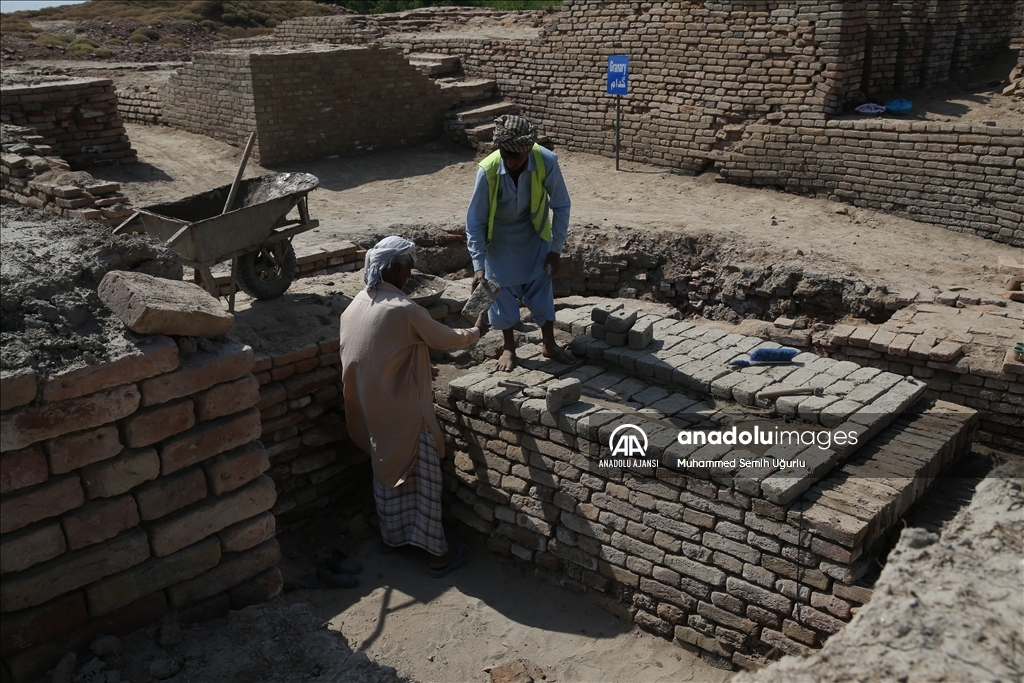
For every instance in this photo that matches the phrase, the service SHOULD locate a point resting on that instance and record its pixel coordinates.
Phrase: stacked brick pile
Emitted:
(897, 167)
(26, 179)
(140, 104)
(705, 558)
(303, 412)
(78, 118)
(130, 488)
(986, 379)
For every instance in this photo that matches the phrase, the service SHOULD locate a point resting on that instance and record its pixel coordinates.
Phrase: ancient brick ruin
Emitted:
(155, 481)
(730, 562)
(765, 111)
(311, 102)
(77, 119)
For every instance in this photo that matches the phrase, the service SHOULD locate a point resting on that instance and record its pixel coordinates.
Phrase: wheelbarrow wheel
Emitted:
(266, 273)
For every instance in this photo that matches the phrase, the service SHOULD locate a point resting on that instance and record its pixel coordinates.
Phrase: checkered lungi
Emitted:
(411, 513)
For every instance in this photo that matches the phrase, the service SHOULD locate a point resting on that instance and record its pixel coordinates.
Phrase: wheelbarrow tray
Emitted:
(201, 235)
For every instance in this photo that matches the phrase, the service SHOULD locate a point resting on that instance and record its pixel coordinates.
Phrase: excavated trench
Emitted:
(705, 276)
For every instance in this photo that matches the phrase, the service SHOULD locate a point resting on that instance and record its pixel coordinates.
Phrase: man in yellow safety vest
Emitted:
(513, 239)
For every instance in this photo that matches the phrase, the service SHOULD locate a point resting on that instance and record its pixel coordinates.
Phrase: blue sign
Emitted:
(618, 74)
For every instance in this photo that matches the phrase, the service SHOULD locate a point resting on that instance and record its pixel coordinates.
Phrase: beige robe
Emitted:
(386, 370)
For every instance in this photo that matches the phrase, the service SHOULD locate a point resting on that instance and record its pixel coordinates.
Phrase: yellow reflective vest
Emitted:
(538, 195)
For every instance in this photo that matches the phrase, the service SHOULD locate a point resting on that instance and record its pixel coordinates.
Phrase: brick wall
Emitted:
(78, 119)
(702, 75)
(128, 489)
(1017, 34)
(140, 104)
(342, 101)
(302, 408)
(305, 103)
(964, 178)
(338, 29)
(212, 96)
(706, 560)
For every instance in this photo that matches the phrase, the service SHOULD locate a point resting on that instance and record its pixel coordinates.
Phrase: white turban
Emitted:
(378, 258)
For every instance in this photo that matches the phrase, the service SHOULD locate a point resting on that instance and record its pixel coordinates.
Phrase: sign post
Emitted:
(618, 85)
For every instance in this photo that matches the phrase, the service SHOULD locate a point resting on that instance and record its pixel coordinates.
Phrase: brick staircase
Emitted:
(471, 122)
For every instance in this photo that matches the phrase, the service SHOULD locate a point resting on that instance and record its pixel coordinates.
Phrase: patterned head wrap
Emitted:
(514, 133)
(380, 256)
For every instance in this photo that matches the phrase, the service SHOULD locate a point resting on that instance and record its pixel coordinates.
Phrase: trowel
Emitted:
(532, 392)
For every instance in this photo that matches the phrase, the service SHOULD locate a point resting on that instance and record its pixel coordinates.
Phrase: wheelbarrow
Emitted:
(255, 229)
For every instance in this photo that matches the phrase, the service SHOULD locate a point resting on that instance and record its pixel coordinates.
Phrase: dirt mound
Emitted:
(945, 608)
(51, 318)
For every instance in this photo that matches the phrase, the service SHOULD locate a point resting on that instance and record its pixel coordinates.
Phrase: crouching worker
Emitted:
(389, 402)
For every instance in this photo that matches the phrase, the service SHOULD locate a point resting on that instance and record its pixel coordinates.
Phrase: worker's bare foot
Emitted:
(507, 361)
(562, 355)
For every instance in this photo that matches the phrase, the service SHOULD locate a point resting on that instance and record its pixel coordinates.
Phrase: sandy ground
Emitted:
(431, 184)
(487, 614)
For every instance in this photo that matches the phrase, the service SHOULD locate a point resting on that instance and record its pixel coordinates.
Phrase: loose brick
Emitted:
(99, 520)
(121, 474)
(227, 362)
(25, 426)
(247, 533)
(17, 388)
(151, 425)
(227, 471)
(230, 397)
(73, 570)
(231, 572)
(154, 356)
(25, 467)
(46, 622)
(167, 494)
(151, 305)
(30, 546)
(155, 574)
(184, 528)
(53, 498)
(208, 439)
